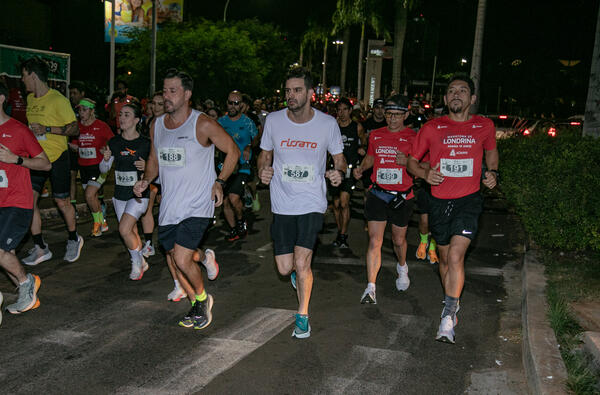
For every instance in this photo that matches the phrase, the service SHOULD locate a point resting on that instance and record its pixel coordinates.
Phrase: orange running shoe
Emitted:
(97, 229)
(421, 251)
(432, 255)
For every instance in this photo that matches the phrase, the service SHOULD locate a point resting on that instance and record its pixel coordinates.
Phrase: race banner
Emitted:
(11, 59)
(131, 14)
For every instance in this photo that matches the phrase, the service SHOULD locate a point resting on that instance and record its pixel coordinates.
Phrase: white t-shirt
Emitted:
(299, 160)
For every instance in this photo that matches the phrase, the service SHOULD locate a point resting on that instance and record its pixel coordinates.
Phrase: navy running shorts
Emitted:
(289, 231)
(14, 225)
(450, 217)
(188, 233)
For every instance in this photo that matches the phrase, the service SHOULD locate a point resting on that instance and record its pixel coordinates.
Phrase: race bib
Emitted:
(3, 179)
(126, 178)
(172, 156)
(298, 173)
(456, 167)
(87, 153)
(389, 176)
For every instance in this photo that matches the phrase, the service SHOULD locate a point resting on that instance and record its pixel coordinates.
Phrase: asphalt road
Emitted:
(97, 332)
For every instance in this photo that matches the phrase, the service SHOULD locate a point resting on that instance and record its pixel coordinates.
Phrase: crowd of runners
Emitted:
(190, 160)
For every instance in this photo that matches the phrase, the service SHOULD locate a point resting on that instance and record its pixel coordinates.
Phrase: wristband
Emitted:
(220, 181)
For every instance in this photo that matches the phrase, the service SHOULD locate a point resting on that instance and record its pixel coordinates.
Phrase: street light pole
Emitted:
(111, 82)
(153, 50)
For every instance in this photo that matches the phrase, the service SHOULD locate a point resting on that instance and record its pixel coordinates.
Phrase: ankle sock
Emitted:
(202, 297)
(148, 237)
(38, 240)
(423, 237)
(432, 245)
(73, 235)
(371, 286)
(450, 304)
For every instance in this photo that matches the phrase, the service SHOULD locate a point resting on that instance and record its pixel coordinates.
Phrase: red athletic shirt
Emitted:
(91, 139)
(457, 147)
(15, 182)
(383, 146)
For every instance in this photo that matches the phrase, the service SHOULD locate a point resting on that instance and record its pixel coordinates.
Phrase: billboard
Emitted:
(138, 14)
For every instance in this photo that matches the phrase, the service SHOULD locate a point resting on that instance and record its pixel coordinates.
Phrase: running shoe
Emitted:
(402, 282)
(368, 297)
(455, 318)
(432, 256)
(138, 269)
(148, 249)
(343, 241)
(233, 235)
(302, 327)
(211, 265)
(177, 294)
(73, 249)
(27, 296)
(421, 251)
(293, 279)
(37, 255)
(97, 229)
(203, 316)
(242, 229)
(188, 320)
(45, 192)
(445, 332)
(337, 241)
(104, 226)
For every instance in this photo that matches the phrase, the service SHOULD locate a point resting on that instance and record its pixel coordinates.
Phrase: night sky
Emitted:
(538, 33)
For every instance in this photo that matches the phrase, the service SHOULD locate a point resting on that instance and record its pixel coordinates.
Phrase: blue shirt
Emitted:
(243, 132)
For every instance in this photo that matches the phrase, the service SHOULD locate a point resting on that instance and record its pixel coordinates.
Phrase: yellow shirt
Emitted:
(52, 109)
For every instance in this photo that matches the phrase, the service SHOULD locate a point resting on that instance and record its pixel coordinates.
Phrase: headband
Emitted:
(87, 103)
(395, 107)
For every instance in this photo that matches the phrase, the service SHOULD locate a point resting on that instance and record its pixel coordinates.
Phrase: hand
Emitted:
(357, 172)
(266, 174)
(106, 152)
(491, 179)
(140, 164)
(217, 194)
(140, 187)
(401, 158)
(6, 155)
(37, 129)
(433, 176)
(334, 176)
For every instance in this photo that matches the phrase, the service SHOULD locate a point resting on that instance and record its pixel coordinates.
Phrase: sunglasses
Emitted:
(233, 103)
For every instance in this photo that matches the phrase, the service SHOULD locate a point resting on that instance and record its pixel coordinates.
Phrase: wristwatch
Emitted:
(19, 160)
(222, 182)
(48, 129)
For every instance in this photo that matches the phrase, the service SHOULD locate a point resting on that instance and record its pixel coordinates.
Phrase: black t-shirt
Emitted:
(126, 174)
(371, 124)
(351, 143)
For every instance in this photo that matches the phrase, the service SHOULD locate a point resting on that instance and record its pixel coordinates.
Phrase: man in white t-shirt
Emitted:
(294, 148)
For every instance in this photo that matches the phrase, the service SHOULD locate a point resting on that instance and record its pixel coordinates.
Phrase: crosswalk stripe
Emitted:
(215, 354)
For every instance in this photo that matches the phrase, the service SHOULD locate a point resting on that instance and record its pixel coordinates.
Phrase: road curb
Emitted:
(544, 368)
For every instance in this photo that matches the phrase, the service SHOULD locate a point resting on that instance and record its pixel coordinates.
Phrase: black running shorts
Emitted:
(450, 217)
(289, 231)
(378, 210)
(60, 177)
(14, 225)
(188, 233)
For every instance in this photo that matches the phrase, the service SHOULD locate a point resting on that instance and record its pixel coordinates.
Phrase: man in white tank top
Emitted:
(294, 147)
(183, 144)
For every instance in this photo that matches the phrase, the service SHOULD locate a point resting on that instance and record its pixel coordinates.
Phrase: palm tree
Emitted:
(591, 124)
(402, 7)
(366, 13)
(477, 50)
(314, 35)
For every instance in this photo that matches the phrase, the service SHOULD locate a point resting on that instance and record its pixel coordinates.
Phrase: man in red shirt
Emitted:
(93, 136)
(19, 152)
(390, 197)
(456, 144)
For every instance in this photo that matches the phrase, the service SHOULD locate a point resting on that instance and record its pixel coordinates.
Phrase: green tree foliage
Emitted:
(244, 55)
(553, 184)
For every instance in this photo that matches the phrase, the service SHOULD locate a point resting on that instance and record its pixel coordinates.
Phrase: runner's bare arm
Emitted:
(264, 164)
(362, 149)
(39, 162)
(150, 170)
(339, 169)
(366, 164)
(491, 161)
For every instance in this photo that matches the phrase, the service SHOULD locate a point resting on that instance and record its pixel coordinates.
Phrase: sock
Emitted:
(450, 304)
(423, 238)
(38, 240)
(148, 237)
(73, 235)
(371, 286)
(202, 297)
(176, 283)
(74, 202)
(432, 245)
(98, 218)
(400, 268)
(135, 255)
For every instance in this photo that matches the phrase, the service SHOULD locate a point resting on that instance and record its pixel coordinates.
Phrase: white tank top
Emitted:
(186, 172)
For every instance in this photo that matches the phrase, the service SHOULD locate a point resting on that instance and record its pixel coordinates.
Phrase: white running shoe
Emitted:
(211, 265)
(402, 282)
(138, 269)
(148, 249)
(177, 294)
(445, 332)
(368, 297)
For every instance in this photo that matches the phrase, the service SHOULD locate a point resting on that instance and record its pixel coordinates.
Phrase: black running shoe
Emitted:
(203, 316)
(233, 235)
(188, 320)
(343, 241)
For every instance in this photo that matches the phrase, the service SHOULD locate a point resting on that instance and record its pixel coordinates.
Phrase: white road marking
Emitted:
(214, 355)
(66, 337)
(484, 271)
(266, 247)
